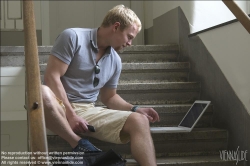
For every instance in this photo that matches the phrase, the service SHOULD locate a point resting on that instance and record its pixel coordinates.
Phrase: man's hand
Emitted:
(150, 113)
(78, 124)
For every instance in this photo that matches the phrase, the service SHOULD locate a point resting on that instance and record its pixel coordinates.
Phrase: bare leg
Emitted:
(142, 147)
(55, 118)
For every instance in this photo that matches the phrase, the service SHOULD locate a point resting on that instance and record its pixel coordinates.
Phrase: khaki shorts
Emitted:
(107, 122)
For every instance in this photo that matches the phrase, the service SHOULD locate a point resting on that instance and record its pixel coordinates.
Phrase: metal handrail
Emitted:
(37, 140)
(239, 13)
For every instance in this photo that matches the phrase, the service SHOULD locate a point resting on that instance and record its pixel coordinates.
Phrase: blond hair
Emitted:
(125, 16)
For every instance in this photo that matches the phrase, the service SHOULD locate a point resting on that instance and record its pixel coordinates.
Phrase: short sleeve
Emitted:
(113, 81)
(65, 46)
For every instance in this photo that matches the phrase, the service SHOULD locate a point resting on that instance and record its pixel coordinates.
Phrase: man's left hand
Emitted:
(150, 113)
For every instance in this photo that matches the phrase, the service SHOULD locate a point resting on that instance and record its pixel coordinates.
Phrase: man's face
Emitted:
(122, 39)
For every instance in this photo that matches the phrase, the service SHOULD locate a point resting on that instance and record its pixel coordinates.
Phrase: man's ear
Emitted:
(116, 25)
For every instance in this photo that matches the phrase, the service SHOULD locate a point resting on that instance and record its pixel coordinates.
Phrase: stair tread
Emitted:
(195, 130)
(147, 66)
(184, 160)
(165, 47)
(158, 85)
(155, 65)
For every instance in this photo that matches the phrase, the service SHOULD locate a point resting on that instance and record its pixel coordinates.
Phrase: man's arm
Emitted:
(112, 100)
(55, 69)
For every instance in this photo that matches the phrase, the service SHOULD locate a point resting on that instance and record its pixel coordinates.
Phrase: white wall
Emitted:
(13, 94)
(84, 14)
(12, 15)
(229, 46)
(200, 14)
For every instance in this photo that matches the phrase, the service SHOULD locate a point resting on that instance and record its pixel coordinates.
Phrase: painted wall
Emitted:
(200, 14)
(12, 33)
(12, 93)
(12, 15)
(229, 46)
(85, 14)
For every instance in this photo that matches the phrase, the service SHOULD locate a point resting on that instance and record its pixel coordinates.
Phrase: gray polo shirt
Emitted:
(77, 47)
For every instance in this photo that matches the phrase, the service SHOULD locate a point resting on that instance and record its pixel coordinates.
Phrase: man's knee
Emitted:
(46, 92)
(136, 121)
(47, 96)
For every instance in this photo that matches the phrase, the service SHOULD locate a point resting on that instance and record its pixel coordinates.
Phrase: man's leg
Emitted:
(55, 118)
(142, 147)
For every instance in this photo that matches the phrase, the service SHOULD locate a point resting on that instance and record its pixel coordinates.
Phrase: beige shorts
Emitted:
(107, 122)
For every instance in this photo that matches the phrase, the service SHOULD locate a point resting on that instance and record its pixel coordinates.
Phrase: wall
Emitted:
(232, 54)
(16, 38)
(217, 62)
(86, 14)
(12, 93)
(200, 14)
(229, 111)
(14, 138)
(13, 114)
(12, 23)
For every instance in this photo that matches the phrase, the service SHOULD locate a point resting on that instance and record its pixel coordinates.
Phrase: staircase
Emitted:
(153, 77)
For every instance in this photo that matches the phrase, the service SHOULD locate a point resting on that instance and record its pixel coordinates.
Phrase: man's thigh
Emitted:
(107, 122)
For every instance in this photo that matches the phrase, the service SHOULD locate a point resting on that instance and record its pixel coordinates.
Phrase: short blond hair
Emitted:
(124, 15)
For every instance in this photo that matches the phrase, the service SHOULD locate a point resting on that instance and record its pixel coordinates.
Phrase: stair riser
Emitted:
(174, 120)
(174, 148)
(204, 163)
(160, 97)
(151, 48)
(146, 57)
(154, 76)
(159, 76)
(20, 60)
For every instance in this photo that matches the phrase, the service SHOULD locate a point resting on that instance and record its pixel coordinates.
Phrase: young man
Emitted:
(84, 62)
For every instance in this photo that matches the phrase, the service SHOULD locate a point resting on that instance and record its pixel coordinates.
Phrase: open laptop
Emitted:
(188, 122)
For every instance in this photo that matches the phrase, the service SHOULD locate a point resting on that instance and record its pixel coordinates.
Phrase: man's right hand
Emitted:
(78, 124)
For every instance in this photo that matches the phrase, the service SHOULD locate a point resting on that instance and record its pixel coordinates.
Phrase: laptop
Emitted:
(188, 122)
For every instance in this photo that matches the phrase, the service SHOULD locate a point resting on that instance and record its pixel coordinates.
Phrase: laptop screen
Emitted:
(193, 114)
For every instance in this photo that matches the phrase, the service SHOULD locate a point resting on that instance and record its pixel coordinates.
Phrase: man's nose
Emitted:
(129, 43)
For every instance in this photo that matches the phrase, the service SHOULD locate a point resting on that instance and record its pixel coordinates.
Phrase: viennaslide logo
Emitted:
(234, 155)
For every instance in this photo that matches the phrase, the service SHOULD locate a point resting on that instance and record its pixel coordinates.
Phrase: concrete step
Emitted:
(213, 160)
(159, 93)
(158, 71)
(203, 141)
(14, 55)
(151, 48)
(150, 53)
